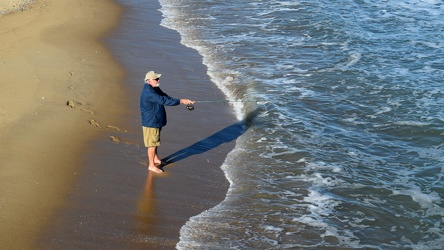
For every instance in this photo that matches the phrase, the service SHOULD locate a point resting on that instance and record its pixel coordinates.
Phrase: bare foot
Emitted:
(155, 170)
(159, 163)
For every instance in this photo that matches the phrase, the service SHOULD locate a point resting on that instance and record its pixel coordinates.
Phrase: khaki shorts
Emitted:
(151, 136)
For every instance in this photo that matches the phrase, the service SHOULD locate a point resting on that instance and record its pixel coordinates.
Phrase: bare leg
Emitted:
(157, 160)
(152, 156)
(156, 157)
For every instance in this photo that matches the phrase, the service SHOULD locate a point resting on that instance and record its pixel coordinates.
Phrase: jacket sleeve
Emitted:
(161, 98)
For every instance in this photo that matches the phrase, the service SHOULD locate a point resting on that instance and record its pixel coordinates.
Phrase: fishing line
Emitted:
(191, 106)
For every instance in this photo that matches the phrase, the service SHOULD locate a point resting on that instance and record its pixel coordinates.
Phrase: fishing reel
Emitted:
(190, 107)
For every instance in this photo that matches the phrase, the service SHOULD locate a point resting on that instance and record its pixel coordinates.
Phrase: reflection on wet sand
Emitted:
(146, 210)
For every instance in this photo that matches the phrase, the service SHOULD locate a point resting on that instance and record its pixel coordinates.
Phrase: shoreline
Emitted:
(50, 55)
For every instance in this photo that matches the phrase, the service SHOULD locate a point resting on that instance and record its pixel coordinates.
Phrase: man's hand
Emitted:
(186, 101)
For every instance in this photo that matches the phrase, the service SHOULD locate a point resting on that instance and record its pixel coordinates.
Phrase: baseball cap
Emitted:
(152, 75)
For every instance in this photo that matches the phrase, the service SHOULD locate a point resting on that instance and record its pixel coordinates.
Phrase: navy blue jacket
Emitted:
(152, 102)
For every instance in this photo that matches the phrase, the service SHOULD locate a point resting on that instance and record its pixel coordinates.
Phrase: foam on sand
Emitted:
(8, 6)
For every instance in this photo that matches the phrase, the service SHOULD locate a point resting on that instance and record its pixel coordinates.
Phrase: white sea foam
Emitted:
(8, 6)
(426, 201)
(412, 123)
(354, 58)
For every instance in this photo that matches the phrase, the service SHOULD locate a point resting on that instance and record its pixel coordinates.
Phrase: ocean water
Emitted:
(343, 107)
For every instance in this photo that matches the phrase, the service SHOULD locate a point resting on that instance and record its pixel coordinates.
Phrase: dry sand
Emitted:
(75, 177)
(49, 55)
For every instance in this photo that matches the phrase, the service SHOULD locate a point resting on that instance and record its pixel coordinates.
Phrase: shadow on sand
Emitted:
(225, 135)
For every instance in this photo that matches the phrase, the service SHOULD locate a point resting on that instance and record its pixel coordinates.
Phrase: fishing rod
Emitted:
(191, 106)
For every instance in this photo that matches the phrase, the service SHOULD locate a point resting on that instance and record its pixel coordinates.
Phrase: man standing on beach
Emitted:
(152, 102)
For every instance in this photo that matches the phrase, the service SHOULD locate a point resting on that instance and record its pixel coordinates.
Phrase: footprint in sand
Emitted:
(113, 127)
(73, 104)
(87, 111)
(114, 139)
(94, 123)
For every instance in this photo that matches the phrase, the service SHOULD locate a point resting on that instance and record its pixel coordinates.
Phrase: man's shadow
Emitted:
(225, 135)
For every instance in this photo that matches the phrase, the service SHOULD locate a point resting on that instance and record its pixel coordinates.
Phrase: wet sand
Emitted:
(75, 177)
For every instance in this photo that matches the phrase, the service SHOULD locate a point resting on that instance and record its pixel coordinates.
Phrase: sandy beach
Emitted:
(50, 55)
(73, 174)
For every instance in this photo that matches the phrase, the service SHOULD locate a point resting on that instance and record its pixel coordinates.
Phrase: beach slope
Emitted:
(50, 56)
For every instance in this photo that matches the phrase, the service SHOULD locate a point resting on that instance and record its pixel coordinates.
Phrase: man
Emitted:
(152, 102)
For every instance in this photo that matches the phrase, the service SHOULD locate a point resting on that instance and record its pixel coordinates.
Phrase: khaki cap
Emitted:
(152, 75)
